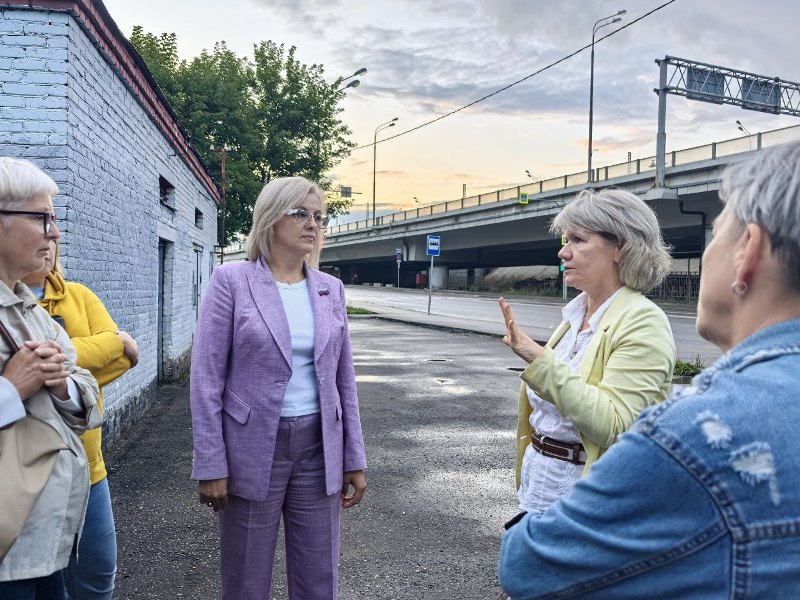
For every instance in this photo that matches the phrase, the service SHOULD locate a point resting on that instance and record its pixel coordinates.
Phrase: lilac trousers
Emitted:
(249, 530)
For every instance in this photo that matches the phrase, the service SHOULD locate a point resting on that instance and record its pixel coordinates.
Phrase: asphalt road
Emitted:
(439, 414)
(479, 312)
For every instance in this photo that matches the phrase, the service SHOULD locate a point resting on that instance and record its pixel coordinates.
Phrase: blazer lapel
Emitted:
(558, 334)
(321, 300)
(268, 301)
(618, 306)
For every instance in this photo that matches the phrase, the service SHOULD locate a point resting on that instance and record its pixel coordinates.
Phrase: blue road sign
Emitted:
(434, 245)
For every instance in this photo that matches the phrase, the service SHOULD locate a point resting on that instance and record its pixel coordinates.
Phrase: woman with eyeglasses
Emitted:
(107, 353)
(274, 407)
(46, 401)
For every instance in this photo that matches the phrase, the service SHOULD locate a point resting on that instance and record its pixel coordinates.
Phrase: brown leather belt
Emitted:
(569, 452)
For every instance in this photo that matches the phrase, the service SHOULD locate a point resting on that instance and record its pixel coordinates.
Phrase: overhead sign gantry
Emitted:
(719, 85)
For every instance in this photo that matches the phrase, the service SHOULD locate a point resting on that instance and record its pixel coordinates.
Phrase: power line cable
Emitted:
(518, 81)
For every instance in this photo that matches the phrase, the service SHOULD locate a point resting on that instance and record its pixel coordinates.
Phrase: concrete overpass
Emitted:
(495, 230)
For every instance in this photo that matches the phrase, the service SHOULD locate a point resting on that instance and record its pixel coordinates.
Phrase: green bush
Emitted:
(688, 369)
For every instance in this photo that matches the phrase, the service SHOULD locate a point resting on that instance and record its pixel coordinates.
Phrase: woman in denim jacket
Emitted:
(701, 498)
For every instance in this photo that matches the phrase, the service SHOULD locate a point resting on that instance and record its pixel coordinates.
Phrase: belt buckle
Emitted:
(570, 454)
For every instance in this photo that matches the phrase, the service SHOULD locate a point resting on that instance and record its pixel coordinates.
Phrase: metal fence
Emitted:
(676, 287)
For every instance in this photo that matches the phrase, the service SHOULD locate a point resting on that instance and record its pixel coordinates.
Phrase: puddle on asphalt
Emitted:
(378, 355)
(466, 436)
(375, 379)
(382, 364)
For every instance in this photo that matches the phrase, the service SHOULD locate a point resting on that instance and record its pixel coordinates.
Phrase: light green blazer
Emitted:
(627, 367)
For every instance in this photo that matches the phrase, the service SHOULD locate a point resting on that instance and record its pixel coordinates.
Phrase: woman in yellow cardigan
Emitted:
(107, 353)
(611, 357)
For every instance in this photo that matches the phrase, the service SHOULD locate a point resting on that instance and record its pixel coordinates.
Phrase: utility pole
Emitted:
(222, 246)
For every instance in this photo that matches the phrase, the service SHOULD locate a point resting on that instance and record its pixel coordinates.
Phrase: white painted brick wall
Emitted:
(63, 107)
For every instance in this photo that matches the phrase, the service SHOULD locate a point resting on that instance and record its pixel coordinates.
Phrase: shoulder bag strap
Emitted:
(12, 345)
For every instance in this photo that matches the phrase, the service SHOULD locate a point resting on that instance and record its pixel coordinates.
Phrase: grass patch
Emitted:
(353, 310)
(685, 368)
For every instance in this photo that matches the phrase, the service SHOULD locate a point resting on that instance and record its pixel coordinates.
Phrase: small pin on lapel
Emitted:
(323, 290)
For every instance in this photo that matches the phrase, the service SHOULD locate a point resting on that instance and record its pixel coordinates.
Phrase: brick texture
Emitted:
(65, 108)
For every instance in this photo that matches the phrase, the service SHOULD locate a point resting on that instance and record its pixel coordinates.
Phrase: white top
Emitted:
(302, 395)
(544, 479)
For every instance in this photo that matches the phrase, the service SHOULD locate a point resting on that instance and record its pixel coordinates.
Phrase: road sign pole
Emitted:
(434, 248)
(398, 256)
(430, 284)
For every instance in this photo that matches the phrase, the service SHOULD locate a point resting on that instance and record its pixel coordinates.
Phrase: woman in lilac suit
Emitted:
(274, 407)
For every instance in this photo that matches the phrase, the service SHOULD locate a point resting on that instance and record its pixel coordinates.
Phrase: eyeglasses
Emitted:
(301, 215)
(48, 218)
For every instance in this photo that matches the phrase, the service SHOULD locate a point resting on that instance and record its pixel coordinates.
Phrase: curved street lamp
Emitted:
(741, 127)
(375, 160)
(359, 73)
(599, 24)
(335, 86)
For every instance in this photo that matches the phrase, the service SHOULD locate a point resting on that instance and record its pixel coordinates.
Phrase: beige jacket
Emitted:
(47, 538)
(627, 367)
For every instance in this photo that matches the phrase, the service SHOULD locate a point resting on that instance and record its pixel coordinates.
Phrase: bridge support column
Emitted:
(440, 277)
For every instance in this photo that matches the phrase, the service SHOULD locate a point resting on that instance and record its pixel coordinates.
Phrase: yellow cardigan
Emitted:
(93, 334)
(627, 367)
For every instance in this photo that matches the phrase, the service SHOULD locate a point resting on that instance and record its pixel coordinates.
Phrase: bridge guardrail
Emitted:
(675, 158)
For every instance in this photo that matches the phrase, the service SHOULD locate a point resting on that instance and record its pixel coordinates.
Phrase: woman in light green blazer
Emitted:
(610, 358)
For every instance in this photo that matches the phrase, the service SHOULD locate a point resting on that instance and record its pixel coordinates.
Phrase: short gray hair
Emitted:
(766, 191)
(278, 196)
(21, 180)
(644, 257)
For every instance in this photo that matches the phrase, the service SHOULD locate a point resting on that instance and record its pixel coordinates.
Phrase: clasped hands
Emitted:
(516, 339)
(38, 364)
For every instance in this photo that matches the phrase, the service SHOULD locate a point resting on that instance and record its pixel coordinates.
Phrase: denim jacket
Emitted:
(699, 499)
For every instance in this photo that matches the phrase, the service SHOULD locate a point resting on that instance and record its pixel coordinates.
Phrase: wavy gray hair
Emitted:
(766, 191)
(21, 180)
(644, 257)
(276, 197)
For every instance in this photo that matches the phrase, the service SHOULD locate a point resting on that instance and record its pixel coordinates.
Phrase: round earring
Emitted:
(739, 288)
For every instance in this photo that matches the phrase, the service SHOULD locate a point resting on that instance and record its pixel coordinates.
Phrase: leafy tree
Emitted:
(275, 116)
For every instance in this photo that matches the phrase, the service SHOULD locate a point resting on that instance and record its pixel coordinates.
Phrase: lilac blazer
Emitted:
(241, 365)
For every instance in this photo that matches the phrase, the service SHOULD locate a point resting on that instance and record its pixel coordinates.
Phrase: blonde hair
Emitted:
(57, 268)
(644, 257)
(277, 197)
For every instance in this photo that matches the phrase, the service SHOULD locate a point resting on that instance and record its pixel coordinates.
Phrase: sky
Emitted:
(426, 58)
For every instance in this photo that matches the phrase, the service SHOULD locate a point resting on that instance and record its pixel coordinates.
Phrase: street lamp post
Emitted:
(337, 86)
(599, 24)
(744, 130)
(356, 83)
(375, 161)
(741, 127)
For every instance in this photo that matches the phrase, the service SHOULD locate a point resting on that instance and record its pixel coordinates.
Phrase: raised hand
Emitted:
(516, 339)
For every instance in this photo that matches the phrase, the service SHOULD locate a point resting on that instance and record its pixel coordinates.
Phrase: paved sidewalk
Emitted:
(438, 412)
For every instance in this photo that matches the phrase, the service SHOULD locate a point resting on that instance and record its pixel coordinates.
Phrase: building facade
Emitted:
(137, 205)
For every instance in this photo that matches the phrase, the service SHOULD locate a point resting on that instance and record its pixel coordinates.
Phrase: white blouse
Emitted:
(544, 479)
